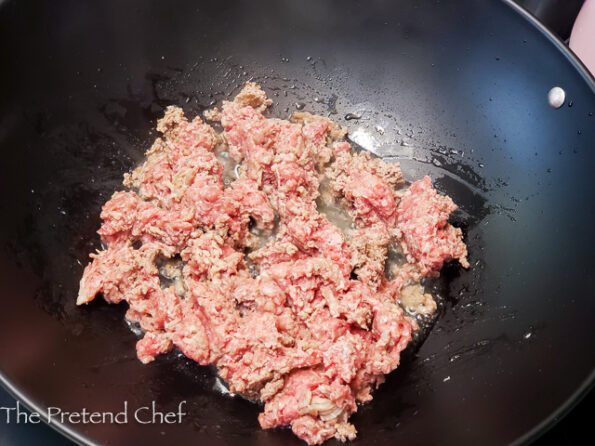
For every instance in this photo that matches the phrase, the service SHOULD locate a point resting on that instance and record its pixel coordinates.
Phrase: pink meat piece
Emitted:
(189, 333)
(340, 147)
(344, 357)
(302, 336)
(218, 316)
(280, 250)
(287, 404)
(153, 178)
(207, 257)
(316, 131)
(254, 96)
(319, 129)
(202, 195)
(301, 281)
(173, 162)
(305, 401)
(292, 181)
(248, 134)
(126, 274)
(276, 155)
(313, 233)
(371, 198)
(392, 333)
(198, 184)
(258, 353)
(244, 193)
(121, 273)
(368, 186)
(184, 136)
(126, 217)
(354, 304)
(313, 430)
(151, 345)
(240, 202)
(426, 236)
(369, 246)
(316, 135)
(212, 271)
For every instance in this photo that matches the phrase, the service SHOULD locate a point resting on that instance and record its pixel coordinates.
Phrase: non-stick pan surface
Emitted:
(455, 89)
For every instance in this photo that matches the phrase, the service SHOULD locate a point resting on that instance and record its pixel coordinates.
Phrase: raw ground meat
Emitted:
(425, 235)
(291, 309)
(370, 246)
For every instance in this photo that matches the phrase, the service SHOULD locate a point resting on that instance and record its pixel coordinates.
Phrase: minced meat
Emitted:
(292, 310)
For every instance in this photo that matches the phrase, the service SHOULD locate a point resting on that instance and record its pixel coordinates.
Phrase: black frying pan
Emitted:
(459, 88)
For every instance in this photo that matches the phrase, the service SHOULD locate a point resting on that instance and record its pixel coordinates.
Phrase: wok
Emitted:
(454, 89)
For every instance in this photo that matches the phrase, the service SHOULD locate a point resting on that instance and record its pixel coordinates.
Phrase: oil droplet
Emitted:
(446, 379)
(570, 104)
(529, 333)
(350, 116)
(379, 129)
(299, 105)
(309, 58)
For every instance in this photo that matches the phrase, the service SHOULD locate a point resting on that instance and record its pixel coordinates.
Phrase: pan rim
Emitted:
(529, 436)
(556, 41)
(28, 403)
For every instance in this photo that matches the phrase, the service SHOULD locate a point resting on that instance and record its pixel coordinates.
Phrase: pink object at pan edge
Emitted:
(582, 39)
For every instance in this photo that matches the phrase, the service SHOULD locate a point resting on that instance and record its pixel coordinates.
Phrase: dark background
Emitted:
(559, 16)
